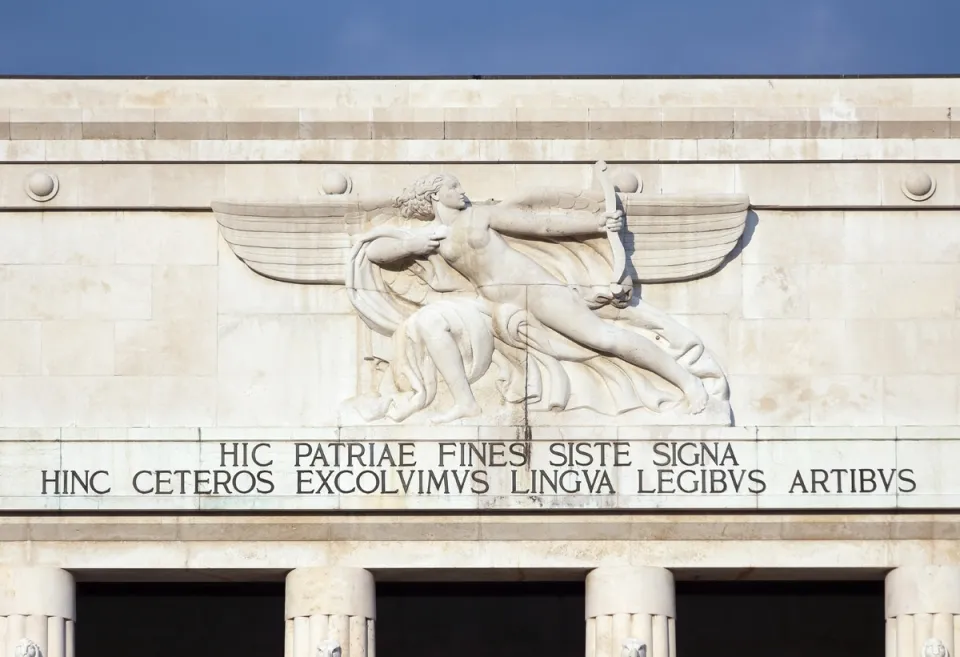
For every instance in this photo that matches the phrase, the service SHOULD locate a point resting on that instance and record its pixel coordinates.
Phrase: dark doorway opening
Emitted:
(790, 619)
(162, 620)
(473, 619)
(479, 619)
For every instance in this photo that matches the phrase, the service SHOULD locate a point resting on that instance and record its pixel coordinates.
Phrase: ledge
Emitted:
(595, 526)
(183, 185)
(497, 432)
(283, 123)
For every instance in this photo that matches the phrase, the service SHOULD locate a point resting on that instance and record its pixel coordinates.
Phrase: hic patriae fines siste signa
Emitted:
(509, 366)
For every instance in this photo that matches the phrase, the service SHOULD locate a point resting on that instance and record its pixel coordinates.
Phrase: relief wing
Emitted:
(307, 243)
(678, 238)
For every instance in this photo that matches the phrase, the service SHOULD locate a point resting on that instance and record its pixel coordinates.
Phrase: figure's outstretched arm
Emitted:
(519, 221)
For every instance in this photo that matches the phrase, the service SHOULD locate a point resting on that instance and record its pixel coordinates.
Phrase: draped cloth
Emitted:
(534, 364)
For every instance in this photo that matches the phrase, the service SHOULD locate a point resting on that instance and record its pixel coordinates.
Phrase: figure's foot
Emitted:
(457, 412)
(696, 395)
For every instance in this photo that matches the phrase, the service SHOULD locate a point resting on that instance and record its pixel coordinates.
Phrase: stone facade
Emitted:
(184, 266)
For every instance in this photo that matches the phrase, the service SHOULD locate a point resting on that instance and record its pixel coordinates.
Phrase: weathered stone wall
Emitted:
(123, 308)
(125, 316)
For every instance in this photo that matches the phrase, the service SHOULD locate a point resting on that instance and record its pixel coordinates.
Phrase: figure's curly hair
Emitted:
(415, 201)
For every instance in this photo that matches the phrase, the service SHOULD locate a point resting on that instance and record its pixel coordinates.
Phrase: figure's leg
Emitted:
(680, 338)
(561, 310)
(443, 350)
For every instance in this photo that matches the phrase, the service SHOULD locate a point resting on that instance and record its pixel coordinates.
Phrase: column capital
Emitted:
(331, 591)
(37, 591)
(922, 590)
(630, 590)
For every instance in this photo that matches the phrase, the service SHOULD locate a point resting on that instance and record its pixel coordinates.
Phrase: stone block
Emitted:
(783, 238)
(102, 123)
(189, 123)
(479, 123)
(767, 123)
(174, 347)
(61, 292)
(866, 291)
(107, 401)
(625, 123)
(285, 370)
(336, 123)
(843, 122)
(278, 182)
(846, 400)
(407, 123)
(920, 399)
(74, 238)
(769, 346)
(719, 293)
(258, 123)
(21, 238)
(771, 292)
(184, 292)
(913, 123)
(779, 399)
(77, 348)
(698, 123)
(46, 123)
(555, 123)
(20, 355)
(167, 238)
(111, 185)
(697, 178)
(186, 185)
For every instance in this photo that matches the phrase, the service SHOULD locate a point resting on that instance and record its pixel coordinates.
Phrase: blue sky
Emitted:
(482, 37)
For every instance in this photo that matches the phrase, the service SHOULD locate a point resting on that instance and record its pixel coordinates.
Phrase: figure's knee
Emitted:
(430, 322)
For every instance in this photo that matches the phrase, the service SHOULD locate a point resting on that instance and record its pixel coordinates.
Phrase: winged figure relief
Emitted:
(537, 289)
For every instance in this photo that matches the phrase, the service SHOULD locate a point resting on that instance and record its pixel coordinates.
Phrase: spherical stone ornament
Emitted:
(42, 186)
(626, 182)
(335, 182)
(918, 186)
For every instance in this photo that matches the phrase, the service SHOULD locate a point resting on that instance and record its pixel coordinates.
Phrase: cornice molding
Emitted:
(286, 123)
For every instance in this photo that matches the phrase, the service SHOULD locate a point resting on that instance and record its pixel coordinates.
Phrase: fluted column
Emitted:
(329, 609)
(629, 607)
(37, 605)
(922, 604)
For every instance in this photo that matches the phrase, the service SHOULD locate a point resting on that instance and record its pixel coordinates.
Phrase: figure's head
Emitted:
(417, 200)
(934, 648)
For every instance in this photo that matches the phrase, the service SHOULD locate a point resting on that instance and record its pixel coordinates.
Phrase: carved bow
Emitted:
(621, 286)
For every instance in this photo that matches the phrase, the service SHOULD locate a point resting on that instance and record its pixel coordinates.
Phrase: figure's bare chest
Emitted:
(468, 235)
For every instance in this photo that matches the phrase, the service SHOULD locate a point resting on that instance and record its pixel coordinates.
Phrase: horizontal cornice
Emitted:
(479, 123)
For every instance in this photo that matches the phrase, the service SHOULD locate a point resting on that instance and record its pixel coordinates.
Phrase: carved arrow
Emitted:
(619, 285)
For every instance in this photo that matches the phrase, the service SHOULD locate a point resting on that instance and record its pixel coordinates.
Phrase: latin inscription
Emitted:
(492, 468)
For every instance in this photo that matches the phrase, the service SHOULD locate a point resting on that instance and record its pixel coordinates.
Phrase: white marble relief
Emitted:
(538, 288)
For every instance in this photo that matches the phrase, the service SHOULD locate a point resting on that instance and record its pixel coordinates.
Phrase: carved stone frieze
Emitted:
(536, 294)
